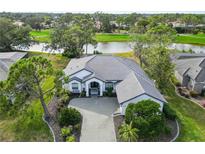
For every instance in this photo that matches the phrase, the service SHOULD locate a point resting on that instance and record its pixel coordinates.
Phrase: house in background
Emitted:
(190, 71)
(95, 74)
(6, 60)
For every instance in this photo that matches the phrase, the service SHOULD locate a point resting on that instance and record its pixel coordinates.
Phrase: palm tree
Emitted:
(127, 133)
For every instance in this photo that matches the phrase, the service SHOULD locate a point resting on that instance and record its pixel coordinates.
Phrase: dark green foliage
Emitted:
(69, 116)
(146, 116)
(12, 35)
(169, 112)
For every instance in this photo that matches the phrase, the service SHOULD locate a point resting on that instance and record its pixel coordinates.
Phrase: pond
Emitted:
(119, 47)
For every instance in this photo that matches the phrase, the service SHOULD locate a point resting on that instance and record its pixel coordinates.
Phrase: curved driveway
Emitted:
(97, 113)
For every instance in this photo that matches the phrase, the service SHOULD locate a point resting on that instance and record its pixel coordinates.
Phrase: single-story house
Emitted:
(190, 71)
(6, 60)
(95, 74)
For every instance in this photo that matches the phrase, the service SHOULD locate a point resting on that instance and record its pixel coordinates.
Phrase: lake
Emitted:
(119, 47)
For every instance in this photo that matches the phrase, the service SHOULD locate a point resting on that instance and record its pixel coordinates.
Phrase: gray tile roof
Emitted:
(135, 85)
(133, 79)
(77, 64)
(187, 55)
(6, 60)
(12, 56)
(189, 66)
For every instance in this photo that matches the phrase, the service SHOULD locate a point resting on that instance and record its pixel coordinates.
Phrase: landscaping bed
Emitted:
(172, 124)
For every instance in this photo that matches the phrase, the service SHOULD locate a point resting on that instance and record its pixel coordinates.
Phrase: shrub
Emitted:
(146, 116)
(65, 131)
(193, 94)
(169, 112)
(70, 138)
(69, 116)
(83, 94)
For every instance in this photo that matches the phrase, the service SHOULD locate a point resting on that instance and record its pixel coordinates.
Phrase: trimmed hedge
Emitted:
(69, 116)
(169, 112)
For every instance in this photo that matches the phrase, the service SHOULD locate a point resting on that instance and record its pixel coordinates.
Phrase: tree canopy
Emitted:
(28, 76)
(12, 35)
(73, 37)
(147, 117)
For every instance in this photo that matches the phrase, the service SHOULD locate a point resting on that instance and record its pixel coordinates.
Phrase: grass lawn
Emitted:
(102, 37)
(44, 36)
(191, 116)
(41, 36)
(29, 126)
(198, 39)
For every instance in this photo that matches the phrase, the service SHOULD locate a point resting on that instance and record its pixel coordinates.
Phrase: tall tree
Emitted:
(157, 57)
(29, 76)
(73, 37)
(12, 36)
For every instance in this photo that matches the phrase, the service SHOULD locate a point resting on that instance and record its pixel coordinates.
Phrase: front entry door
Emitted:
(94, 89)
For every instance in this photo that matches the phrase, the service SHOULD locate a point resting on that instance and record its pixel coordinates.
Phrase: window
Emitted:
(108, 85)
(75, 86)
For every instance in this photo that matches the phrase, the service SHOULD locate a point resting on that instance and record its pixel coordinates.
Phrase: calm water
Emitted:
(117, 47)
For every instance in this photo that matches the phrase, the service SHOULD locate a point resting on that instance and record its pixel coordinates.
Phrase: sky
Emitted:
(109, 6)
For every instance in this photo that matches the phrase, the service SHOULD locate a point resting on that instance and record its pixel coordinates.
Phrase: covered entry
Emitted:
(94, 87)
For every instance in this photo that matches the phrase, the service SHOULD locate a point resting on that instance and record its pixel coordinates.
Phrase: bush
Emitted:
(169, 112)
(70, 138)
(69, 116)
(147, 118)
(194, 94)
(83, 94)
(66, 131)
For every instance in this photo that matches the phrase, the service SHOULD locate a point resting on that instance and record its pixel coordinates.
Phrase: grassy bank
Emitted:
(44, 36)
(191, 116)
(102, 37)
(29, 125)
(41, 36)
(198, 39)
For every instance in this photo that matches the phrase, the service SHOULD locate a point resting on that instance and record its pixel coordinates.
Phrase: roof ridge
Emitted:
(138, 74)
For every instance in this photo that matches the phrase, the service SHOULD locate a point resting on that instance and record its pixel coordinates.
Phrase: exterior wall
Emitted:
(179, 77)
(87, 84)
(82, 74)
(190, 84)
(68, 86)
(140, 98)
(199, 86)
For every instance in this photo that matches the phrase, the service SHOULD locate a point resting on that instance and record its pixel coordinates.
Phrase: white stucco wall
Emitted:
(81, 74)
(178, 76)
(68, 86)
(140, 98)
(87, 83)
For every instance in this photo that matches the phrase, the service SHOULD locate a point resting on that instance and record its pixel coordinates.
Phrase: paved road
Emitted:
(97, 118)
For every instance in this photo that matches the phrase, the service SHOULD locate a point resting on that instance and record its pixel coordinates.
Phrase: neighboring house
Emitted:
(6, 60)
(95, 74)
(190, 71)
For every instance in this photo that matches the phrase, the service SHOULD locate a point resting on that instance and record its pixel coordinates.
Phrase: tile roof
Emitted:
(134, 80)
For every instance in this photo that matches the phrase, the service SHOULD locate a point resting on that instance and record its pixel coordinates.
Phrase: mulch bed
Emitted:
(119, 119)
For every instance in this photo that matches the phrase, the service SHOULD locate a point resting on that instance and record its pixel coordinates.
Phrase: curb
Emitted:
(176, 136)
(54, 138)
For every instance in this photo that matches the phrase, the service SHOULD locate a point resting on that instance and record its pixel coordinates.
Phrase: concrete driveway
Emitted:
(97, 113)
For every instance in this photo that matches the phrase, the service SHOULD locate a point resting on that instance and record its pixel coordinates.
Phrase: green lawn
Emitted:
(29, 126)
(191, 116)
(44, 36)
(41, 36)
(102, 37)
(198, 39)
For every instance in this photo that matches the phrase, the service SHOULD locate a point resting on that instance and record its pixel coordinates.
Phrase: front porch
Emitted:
(94, 87)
